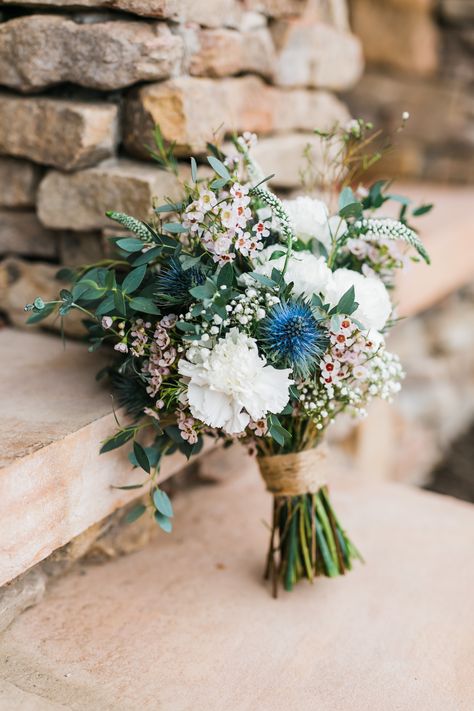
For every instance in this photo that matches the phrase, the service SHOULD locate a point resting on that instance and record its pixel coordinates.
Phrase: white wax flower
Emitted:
(308, 218)
(309, 274)
(232, 383)
(370, 293)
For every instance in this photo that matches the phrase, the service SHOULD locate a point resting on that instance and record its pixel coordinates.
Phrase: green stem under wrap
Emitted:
(307, 540)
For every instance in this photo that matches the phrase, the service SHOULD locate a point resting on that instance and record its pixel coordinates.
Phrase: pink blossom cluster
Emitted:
(186, 425)
(161, 355)
(380, 259)
(347, 356)
(223, 224)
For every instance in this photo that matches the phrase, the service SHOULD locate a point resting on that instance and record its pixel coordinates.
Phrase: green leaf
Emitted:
(193, 169)
(174, 227)
(354, 209)
(129, 244)
(133, 280)
(218, 183)
(346, 197)
(266, 281)
(135, 513)
(277, 254)
(187, 261)
(38, 303)
(147, 256)
(225, 276)
(219, 167)
(116, 441)
(129, 487)
(105, 306)
(146, 306)
(163, 522)
(35, 318)
(163, 503)
(422, 210)
(347, 303)
(141, 456)
(119, 302)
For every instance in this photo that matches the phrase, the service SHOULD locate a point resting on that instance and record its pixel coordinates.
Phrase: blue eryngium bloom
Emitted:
(292, 337)
(173, 283)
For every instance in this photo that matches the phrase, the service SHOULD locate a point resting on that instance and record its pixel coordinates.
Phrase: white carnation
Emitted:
(308, 219)
(232, 383)
(309, 274)
(370, 293)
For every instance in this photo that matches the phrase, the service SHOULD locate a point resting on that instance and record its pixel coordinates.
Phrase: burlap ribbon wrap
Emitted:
(297, 473)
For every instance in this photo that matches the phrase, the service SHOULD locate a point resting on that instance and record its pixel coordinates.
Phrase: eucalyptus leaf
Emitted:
(162, 503)
(163, 522)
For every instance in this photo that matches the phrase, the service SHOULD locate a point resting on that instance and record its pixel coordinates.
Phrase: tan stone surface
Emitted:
(419, 286)
(210, 13)
(188, 623)
(19, 595)
(79, 201)
(404, 37)
(21, 281)
(316, 54)
(223, 52)
(77, 248)
(53, 484)
(282, 156)
(18, 182)
(65, 134)
(189, 110)
(22, 233)
(41, 50)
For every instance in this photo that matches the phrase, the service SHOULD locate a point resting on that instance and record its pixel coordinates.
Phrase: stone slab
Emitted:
(452, 259)
(18, 182)
(190, 110)
(188, 623)
(210, 13)
(38, 51)
(62, 133)
(22, 233)
(53, 484)
(79, 201)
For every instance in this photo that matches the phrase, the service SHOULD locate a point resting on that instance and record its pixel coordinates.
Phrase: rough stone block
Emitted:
(77, 248)
(399, 36)
(41, 50)
(283, 156)
(223, 52)
(21, 282)
(316, 54)
(210, 13)
(18, 182)
(19, 595)
(62, 133)
(79, 201)
(22, 233)
(189, 111)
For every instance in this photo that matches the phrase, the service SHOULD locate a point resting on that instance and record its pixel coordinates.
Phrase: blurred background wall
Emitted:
(419, 56)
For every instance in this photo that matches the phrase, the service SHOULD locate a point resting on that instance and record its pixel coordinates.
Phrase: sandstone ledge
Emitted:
(188, 622)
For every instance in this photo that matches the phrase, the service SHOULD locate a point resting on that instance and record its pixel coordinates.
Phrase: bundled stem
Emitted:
(306, 540)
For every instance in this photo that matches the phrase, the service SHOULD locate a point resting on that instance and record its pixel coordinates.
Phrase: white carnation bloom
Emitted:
(309, 274)
(232, 383)
(370, 293)
(308, 219)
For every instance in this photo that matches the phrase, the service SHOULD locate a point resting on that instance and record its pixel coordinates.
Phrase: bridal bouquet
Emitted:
(236, 316)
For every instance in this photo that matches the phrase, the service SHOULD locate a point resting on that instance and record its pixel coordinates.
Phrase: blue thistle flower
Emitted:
(292, 337)
(173, 283)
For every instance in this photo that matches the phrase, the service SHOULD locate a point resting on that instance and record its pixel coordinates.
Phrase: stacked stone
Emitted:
(420, 56)
(85, 81)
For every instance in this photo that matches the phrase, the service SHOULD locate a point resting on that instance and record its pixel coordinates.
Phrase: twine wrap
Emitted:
(296, 473)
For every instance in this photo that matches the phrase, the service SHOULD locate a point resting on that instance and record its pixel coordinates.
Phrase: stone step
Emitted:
(187, 623)
(53, 485)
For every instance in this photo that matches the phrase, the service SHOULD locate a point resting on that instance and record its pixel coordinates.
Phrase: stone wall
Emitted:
(84, 81)
(420, 55)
